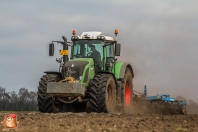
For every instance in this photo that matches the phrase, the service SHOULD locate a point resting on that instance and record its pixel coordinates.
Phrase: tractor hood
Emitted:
(79, 64)
(75, 68)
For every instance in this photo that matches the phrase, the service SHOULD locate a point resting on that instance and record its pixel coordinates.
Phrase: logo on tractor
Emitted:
(70, 71)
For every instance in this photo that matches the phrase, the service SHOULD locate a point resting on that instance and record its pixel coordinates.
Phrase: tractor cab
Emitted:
(94, 45)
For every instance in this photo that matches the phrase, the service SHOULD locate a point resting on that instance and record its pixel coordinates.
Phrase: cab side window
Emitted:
(110, 53)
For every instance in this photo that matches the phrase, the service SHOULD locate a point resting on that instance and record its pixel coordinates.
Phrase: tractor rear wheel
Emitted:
(103, 93)
(46, 103)
(127, 91)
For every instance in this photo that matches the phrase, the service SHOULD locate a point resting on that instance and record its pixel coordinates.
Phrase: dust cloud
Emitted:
(163, 58)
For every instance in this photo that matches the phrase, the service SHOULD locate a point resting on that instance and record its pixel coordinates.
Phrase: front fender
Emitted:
(53, 72)
(119, 69)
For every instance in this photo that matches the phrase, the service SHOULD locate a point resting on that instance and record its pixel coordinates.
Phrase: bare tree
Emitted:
(4, 98)
(24, 100)
(32, 96)
(33, 101)
(14, 100)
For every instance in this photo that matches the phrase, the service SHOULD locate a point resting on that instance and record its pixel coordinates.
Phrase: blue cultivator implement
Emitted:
(170, 105)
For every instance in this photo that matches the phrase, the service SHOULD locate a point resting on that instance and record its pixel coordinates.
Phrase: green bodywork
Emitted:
(118, 69)
(89, 66)
(83, 66)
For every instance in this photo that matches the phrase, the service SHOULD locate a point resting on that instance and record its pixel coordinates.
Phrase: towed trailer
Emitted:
(160, 100)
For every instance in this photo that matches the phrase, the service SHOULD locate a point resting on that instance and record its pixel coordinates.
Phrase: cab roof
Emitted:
(94, 35)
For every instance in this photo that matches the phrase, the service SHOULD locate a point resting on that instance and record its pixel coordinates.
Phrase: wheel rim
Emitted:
(127, 94)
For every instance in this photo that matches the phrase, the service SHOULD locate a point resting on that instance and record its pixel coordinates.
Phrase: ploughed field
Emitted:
(103, 122)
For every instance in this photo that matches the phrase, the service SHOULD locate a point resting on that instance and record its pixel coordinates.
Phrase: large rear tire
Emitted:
(103, 93)
(46, 103)
(127, 91)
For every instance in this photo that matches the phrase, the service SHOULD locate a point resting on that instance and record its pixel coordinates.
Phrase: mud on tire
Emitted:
(103, 93)
(127, 90)
(45, 101)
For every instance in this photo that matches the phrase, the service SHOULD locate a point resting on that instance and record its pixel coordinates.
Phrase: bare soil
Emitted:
(103, 122)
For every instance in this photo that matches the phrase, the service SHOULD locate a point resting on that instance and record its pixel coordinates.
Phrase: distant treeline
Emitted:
(24, 100)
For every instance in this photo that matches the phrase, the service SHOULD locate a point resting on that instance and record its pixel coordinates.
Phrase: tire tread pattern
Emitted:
(45, 101)
(98, 92)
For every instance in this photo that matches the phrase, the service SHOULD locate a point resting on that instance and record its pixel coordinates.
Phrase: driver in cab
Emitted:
(96, 56)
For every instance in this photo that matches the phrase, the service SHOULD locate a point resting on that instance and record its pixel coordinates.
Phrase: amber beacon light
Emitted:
(116, 31)
(74, 32)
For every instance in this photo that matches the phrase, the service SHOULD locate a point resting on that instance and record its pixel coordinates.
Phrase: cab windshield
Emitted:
(83, 48)
(89, 49)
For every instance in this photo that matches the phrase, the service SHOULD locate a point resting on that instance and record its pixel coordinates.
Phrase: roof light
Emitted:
(74, 37)
(91, 34)
(74, 32)
(100, 37)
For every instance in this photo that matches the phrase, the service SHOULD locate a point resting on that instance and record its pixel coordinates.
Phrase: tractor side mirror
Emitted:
(51, 49)
(117, 49)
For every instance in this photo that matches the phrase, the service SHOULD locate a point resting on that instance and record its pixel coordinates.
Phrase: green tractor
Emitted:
(90, 79)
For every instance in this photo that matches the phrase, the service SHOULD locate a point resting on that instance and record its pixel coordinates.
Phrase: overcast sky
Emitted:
(159, 39)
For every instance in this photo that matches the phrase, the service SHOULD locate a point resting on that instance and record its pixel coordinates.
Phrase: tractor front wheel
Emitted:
(46, 104)
(103, 93)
